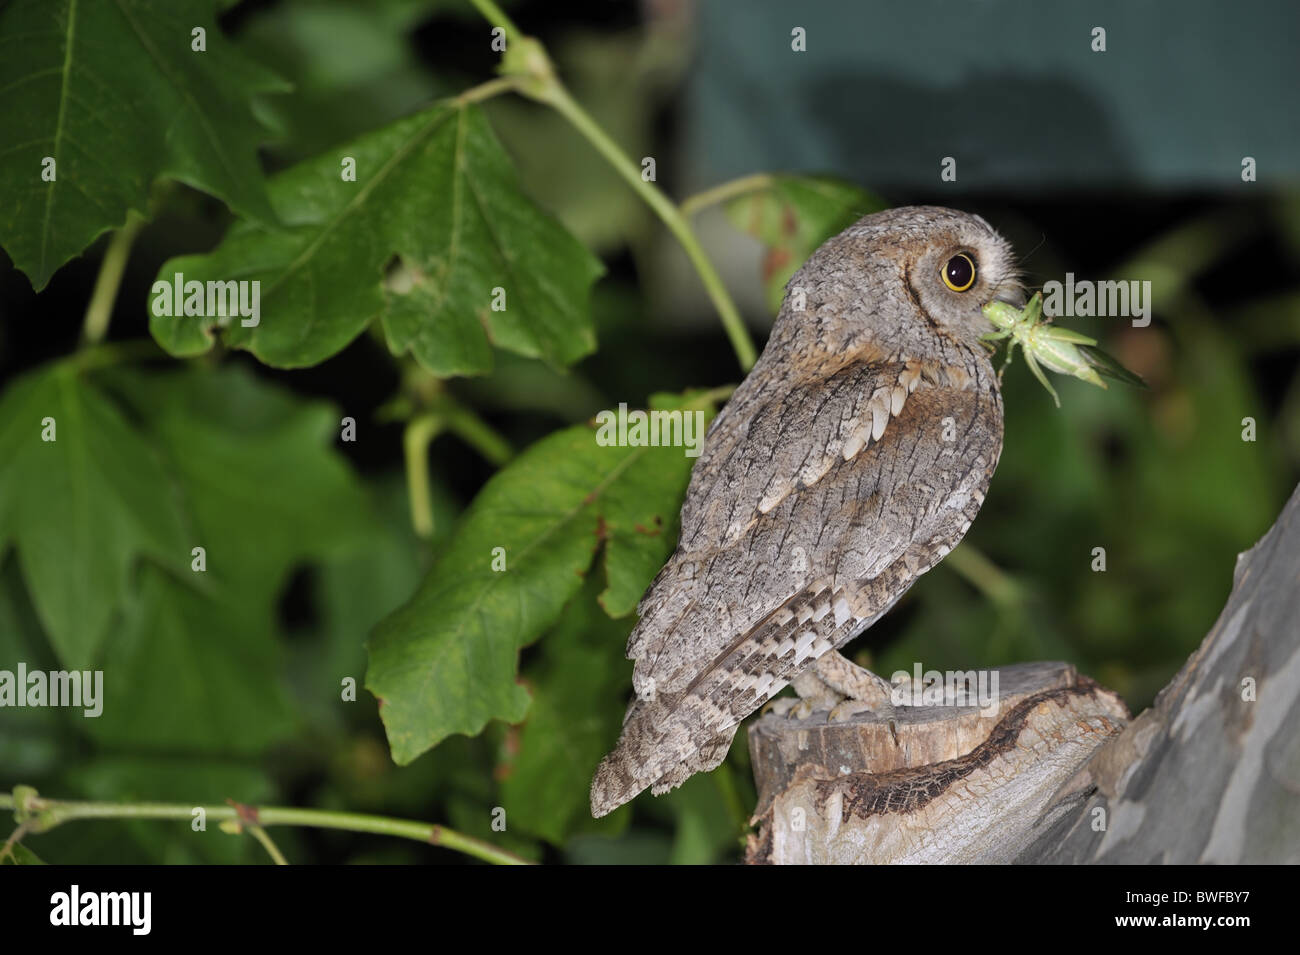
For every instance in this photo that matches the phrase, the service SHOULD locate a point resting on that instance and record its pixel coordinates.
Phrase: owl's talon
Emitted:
(781, 706)
(802, 710)
(793, 708)
(846, 710)
(856, 683)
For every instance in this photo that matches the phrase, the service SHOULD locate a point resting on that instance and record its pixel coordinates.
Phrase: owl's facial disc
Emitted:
(960, 270)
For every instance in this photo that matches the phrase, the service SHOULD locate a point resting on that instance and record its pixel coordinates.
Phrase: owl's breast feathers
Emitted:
(823, 492)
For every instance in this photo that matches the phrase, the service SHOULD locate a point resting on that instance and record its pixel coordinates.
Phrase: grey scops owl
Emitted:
(849, 462)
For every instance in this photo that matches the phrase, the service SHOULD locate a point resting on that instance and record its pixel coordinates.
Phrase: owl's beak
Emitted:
(1012, 296)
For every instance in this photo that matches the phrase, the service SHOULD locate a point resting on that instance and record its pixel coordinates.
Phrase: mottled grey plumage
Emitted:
(829, 482)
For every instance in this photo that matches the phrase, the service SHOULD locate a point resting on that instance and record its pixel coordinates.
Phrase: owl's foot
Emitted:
(793, 708)
(860, 690)
(814, 695)
(836, 686)
(854, 683)
(845, 710)
(782, 705)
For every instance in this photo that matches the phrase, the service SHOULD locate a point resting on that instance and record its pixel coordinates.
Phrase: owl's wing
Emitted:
(823, 505)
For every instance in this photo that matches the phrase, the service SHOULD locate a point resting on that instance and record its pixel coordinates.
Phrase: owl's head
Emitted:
(951, 263)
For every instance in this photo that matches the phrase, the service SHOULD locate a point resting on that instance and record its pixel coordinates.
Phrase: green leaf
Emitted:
(352, 592)
(353, 68)
(634, 847)
(792, 217)
(114, 94)
(473, 819)
(256, 470)
(636, 550)
(244, 470)
(192, 673)
(265, 491)
(80, 509)
(432, 225)
(31, 737)
(580, 687)
(706, 832)
(21, 855)
(447, 661)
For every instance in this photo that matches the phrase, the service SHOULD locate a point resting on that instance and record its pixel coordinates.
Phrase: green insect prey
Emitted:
(1047, 346)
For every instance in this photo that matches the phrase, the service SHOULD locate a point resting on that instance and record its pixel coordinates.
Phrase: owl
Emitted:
(849, 462)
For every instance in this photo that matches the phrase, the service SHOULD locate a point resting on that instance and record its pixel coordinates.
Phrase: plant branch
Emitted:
(15, 837)
(727, 190)
(987, 577)
(42, 814)
(419, 434)
(741, 342)
(497, 17)
(526, 60)
(100, 310)
(430, 410)
(478, 434)
(271, 848)
(485, 91)
(712, 396)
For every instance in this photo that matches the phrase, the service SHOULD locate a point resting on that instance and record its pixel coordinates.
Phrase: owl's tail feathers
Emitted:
(614, 784)
(652, 755)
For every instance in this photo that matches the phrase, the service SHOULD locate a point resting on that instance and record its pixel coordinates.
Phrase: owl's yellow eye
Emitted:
(959, 273)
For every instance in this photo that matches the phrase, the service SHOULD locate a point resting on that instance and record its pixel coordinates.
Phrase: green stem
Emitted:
(727, 190)
(271, 848)
(478, 434)
(420, 432)
(497, 17)
(711, 397)
(48, 813)
(986, 576)
(95, 325)
(526, 59)
(741, 342)
(15, 837)
(477, 94)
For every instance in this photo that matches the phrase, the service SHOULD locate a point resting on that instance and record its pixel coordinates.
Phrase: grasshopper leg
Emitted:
(1011, 347)
(1038, 373)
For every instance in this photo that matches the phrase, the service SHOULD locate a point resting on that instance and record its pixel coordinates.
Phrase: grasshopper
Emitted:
(1060, 350)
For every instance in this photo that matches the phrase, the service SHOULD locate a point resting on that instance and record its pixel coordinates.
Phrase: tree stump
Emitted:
(1053, 770)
